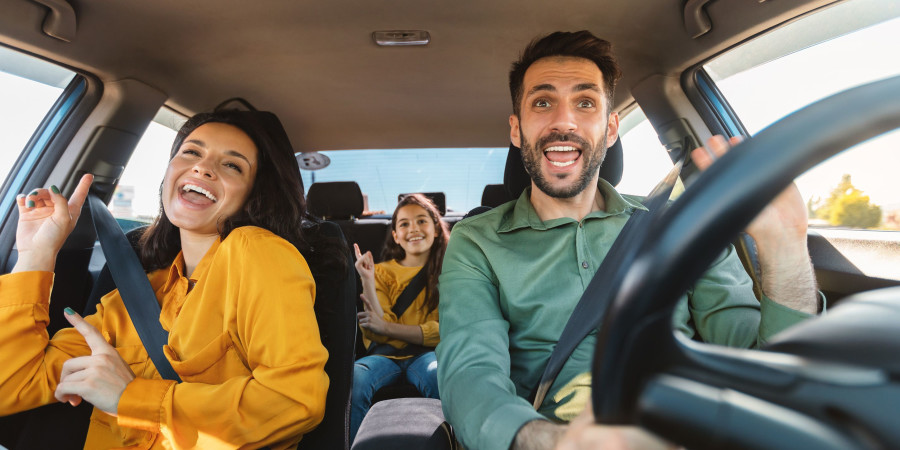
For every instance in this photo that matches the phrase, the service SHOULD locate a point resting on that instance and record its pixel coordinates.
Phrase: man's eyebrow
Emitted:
(588, 87)
(541, 87)
(578, 88)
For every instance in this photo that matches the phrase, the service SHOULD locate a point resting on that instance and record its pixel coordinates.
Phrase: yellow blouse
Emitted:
(390, 280)
(244, 341)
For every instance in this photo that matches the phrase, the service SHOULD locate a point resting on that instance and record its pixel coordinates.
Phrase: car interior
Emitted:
(399, 75)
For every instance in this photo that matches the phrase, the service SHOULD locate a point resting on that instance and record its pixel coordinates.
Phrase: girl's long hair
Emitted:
(276, 201)
(432, 268)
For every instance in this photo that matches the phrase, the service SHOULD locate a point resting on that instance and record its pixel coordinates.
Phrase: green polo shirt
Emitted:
(509, 284)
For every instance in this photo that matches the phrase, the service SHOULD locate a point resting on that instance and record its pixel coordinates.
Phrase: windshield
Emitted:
(460, 173)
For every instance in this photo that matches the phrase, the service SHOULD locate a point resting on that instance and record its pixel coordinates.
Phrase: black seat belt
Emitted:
(591, 308)
(134, 286)
(410, 292)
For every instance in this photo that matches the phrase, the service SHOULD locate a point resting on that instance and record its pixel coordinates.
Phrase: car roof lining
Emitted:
(451, 93)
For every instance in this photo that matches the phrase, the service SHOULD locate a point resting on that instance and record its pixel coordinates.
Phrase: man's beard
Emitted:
(532, 156)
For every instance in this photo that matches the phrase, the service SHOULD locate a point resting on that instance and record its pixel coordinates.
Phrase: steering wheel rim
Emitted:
(684, 239)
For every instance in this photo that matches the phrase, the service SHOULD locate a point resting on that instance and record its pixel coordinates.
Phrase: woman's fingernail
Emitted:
(34, 192)
(54, 189)
(69, 311)
(20, 196)
(29, 204)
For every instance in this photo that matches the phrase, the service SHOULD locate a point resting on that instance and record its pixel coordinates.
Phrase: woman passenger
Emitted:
(226, 260)
(400, 347)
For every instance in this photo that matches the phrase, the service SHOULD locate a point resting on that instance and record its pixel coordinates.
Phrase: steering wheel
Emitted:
(814, 388)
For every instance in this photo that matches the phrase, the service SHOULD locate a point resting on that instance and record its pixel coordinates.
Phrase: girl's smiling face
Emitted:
(209, 178)
(414, 231)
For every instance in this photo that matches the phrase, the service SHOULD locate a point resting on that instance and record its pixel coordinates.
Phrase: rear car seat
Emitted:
(494, 195)
(341, 202)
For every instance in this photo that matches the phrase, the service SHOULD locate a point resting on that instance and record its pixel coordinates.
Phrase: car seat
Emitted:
(341, 202)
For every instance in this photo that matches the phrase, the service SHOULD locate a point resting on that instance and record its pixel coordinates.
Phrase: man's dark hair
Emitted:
(579, 44)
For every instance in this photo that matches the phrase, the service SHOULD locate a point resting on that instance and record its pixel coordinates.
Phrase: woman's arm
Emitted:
(31, 362)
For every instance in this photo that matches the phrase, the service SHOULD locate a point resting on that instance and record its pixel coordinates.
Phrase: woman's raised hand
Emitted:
(45, 221)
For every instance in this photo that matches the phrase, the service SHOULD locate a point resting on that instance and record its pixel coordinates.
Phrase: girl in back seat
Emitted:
(400, 299)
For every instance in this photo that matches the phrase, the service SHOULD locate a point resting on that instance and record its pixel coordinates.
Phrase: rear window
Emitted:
(460, 173)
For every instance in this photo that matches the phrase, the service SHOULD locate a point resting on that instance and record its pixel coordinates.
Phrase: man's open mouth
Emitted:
(562, 155)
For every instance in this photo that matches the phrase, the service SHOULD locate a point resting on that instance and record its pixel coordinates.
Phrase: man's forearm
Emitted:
(538, 435)
(787, 276)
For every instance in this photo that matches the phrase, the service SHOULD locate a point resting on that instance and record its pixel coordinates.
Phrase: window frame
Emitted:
(45, 148)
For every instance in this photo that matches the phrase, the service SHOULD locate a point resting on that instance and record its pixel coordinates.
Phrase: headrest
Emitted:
(335, 200)
(516, 179)
(438, 198)
(494, 195)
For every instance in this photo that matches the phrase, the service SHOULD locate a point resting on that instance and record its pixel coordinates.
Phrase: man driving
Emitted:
(513, 275)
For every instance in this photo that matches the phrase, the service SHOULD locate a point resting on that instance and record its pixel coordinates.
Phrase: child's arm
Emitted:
(376, 323)
(365, 266)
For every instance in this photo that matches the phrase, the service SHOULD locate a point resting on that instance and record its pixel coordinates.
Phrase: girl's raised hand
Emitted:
(45, 221)
(365, 264)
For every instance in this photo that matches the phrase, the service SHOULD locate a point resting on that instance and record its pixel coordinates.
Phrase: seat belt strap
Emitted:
(591, 308)
(134, 286)
(410, 292)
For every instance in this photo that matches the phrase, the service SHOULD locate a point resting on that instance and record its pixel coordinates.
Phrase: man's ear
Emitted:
(612, 129)
(514, 132)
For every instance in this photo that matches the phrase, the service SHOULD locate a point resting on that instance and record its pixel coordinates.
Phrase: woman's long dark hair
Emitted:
(432, 268)
(275, 202)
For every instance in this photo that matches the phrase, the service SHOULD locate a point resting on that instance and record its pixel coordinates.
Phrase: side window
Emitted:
(136, 200)
(29, 87)
(813, 58)
(646, 161)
